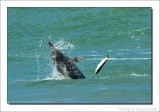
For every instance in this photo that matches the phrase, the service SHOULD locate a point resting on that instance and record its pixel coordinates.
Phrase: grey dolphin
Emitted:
(64, 64)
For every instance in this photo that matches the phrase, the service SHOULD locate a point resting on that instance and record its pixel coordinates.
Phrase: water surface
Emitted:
(123, 33)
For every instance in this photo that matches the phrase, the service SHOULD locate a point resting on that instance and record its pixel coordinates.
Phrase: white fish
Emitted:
(100, 65)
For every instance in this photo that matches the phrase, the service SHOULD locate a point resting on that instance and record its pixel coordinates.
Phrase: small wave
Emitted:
(136, 49)
(130, 58)
(138, 75)
(55, 77)
(120, 59)
(119, 50)
(94, 59)
(145, 53)
(92, 55)
(134, 32)
(94, 51)
(21, 81)
(21, 56)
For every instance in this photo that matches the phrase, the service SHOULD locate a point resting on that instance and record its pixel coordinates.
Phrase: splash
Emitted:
(55, 75)
(37, 62)
(61, 44)
(64, 45)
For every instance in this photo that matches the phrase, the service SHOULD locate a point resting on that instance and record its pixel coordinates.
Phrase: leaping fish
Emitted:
(101, 64)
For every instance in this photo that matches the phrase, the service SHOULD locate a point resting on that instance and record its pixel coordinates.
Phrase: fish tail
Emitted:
(107, 56)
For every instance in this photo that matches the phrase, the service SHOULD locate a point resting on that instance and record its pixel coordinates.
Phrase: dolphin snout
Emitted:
(50, 43)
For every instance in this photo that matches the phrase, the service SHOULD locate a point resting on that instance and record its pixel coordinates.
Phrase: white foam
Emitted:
(90, 59)
(92, 55)
(55, 77)
(145, 53)
(130, 58)
(119, 50)
(19, 81)
(138, 75)
(120, 59)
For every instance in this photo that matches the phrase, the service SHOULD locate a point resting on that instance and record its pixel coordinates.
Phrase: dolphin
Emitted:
(65, 65)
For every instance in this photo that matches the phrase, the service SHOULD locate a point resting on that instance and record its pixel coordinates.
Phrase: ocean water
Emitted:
(123, 33)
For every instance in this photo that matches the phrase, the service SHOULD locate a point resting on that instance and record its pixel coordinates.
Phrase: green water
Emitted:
(123, 33)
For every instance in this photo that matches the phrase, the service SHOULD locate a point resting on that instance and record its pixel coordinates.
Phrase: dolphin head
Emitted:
(56, 53)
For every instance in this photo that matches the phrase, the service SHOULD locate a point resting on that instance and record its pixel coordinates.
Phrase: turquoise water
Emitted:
(123, 33)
